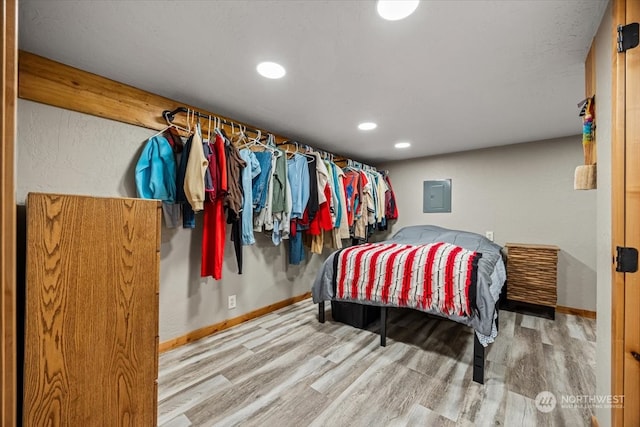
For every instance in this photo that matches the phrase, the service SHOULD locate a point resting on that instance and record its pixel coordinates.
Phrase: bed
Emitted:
(453, 274)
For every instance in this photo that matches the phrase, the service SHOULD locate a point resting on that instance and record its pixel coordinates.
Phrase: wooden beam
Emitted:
(226, 324)
(617, 209)
(8, 215)
(52, 83)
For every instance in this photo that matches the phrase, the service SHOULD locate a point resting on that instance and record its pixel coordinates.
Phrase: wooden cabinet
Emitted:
(532, 273)
(91, 322)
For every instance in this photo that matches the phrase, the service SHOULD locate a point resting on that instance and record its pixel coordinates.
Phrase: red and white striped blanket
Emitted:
(438, 276)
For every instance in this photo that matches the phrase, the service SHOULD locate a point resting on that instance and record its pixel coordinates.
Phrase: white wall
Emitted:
(603, 52)
(524, 194)
(68, 152)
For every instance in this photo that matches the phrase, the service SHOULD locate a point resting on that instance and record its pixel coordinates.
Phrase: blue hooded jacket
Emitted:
(156, 171)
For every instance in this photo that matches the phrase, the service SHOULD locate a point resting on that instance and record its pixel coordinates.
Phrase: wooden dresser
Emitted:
(91, 327)
(532, 274)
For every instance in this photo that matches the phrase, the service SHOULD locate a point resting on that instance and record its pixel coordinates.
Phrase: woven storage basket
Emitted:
(532, 273)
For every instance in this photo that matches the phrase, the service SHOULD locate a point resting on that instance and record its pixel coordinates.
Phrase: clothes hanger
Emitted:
(257, 142)
(162, 131)
(190, 116)
(271, 142)
(198, 126)
(221, 131)
(308, 154)
(241, 138)
(289, 153)
(353, 165)
(218, 124)
(209, 131)
(170, 125)
(271, 145)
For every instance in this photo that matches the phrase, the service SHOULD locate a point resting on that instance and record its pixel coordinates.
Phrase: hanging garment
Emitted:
(322, 221)
(261, 182)
(172, 213)
(314, 203)
(282, 221)
(332, 238)
(373, 210)
(155, 177)
(233, 199)
(221, 170)
(279, 183)
(248, 174)
(391, 209)
(155, 172)
(210, 179)
(264, 218)
(194, 175)
(316, 242)
(213, 239)
(174, 138)
(296, 247)
(344, 221)
(361, 216)
(336, 210)
(382, 191)
(214, 223)
(235, 168)
(188, 217)
(298, 174)
(352, 193)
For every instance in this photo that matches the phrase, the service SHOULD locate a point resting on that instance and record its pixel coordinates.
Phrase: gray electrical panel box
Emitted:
(437, 196)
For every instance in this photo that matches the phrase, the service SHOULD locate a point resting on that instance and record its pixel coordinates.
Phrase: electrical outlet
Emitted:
(489, 235)
(232, 301)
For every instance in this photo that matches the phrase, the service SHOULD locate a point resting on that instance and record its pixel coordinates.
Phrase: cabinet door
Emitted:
(91, 314)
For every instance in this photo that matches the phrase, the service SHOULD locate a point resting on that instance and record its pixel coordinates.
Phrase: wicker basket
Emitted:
(532, 273)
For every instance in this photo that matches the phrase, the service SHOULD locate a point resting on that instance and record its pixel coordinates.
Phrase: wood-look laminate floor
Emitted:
(287, 369)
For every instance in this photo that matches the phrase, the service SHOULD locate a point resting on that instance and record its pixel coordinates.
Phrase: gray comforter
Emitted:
(491, 272)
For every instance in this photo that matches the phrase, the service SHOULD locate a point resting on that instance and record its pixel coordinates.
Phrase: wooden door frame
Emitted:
(618, 182)
(8, 396)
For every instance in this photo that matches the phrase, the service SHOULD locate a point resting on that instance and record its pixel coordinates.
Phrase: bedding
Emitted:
(488, 271)
(436, 276)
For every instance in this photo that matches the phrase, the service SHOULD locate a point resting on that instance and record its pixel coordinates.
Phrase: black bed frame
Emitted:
(478, 349)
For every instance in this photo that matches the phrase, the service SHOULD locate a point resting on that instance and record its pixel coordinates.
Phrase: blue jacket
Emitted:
(156, 171)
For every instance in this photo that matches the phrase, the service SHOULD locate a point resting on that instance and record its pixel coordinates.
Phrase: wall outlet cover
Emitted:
(232, 301)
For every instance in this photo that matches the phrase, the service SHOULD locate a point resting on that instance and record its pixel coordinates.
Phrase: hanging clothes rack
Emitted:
(326, 155)
(170, 116)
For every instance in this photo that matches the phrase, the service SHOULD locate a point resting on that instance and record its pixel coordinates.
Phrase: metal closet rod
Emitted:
(347, 161)
(169, 116)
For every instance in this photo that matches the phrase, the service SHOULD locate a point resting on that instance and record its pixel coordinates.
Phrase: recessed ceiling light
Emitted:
(271, 70)
(402, 145)
(394, 10)
(367, 126)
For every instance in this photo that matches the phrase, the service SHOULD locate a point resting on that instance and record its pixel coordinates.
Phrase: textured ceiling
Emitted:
(454, 76)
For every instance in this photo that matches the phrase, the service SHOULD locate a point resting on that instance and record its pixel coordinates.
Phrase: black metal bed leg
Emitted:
(383, 326)
(478, 360)
(321, 311)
